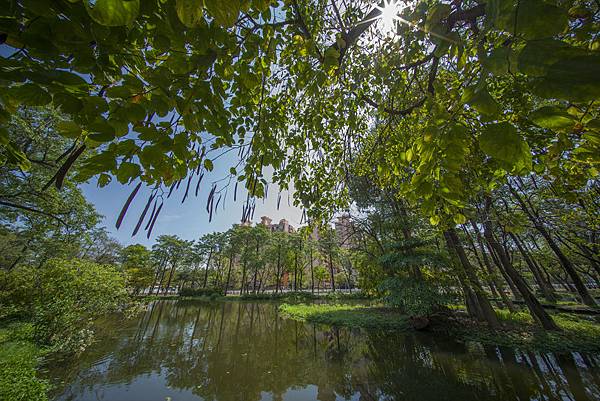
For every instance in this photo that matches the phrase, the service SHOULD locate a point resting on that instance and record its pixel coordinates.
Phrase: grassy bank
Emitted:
(577, 333)
(519, 331)
(19, 358)
(346, 315)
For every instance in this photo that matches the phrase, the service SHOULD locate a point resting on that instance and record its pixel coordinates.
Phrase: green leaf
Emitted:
(574, 79)
(30, 95)
(101, 136)
(128, 171)
(208, 164)
(113, 12)
(69, 129)
(434, 220)
(501, 141)
(481, 100)
(459, 218)
(104, 180)
(189, 12)
(552, 117)
(500, 61)
(538, 19)
(534, 19)
(225, 12)
(67, 103)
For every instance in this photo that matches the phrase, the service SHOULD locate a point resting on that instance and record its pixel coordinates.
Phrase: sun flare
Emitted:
(389, 16)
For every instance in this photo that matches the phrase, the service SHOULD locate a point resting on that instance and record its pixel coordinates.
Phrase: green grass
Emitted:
(346, 315)
(520, 331)
(19, 357)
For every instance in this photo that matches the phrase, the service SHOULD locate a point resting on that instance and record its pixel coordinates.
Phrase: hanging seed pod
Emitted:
(141, 219)
(171, 189)
(198, 184)
(151, 215)
(210, 196)
(187, 189)
(60, 175)
(154, 220)
(126, 205)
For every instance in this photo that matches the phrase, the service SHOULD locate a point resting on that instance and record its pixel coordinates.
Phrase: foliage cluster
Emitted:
(63, 299)
(413, 298)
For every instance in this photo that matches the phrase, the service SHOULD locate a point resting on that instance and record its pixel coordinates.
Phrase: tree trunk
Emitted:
(474, 295)
(228, 274)
(582, 290)
(531, 301)
(312, 271)
(207, 266)
(331, 272)
(545, 287)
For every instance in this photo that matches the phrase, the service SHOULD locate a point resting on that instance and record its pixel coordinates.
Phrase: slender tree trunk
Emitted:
(278, 268)
(207, 266)
(312, 271)
(228, 274)
(331, 272)
(242, 284)
(531, 301)
(171, 273)
(490, 269)
(545, 287)
(474, 294)
(565, 262)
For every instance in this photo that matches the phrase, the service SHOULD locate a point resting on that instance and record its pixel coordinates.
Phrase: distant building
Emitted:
(282, 226)
(344, 231)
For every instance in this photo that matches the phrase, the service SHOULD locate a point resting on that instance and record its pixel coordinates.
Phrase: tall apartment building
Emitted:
(283, 225)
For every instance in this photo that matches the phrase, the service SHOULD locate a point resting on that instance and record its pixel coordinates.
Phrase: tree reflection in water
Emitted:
(242, 351)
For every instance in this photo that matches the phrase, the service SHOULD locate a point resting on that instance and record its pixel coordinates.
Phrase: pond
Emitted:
(244, 351)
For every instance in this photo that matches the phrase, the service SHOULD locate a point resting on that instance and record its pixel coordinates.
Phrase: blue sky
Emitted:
(188, 220)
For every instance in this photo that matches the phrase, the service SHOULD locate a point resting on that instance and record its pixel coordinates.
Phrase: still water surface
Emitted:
(241, 351)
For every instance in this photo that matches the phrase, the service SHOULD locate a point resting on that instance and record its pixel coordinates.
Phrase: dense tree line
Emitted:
(251, 259)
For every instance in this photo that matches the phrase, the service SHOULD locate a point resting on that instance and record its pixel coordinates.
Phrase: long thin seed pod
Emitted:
(178, 183)
(141, 219)
(66, 152)
(278, 200)
(126, 205)
(171, 189)
(59, 177)
(151, 215)
(198, 184)
(154, 220)
(210, 196)
(235, 191)
(217, 205)
(187, 189)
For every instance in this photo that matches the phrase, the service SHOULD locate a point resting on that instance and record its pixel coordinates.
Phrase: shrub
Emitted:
(63, 298)
(414, 298)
